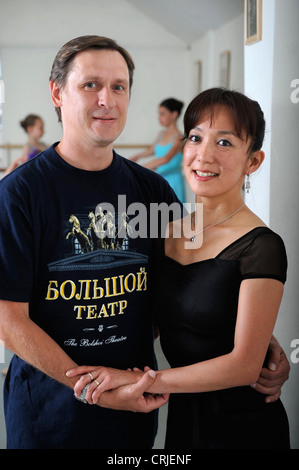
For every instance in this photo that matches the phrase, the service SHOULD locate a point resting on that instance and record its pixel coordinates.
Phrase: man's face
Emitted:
(95, 99)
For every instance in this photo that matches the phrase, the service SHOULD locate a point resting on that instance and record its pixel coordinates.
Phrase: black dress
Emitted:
(196, 309)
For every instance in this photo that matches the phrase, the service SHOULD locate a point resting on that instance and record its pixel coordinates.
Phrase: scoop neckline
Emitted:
(219, 254)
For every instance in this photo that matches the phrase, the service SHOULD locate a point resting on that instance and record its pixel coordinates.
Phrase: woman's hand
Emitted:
(101, 379)
(134, 397)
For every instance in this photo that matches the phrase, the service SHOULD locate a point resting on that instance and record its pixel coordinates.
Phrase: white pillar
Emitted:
(271, 66)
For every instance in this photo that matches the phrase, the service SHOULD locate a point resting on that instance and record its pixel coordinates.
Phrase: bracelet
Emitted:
(83, 394)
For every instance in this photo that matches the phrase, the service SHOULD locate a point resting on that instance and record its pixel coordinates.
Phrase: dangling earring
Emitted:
(247, 183)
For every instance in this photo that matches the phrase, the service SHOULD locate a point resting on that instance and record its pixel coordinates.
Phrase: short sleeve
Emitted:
(16, 247)
(265, 257)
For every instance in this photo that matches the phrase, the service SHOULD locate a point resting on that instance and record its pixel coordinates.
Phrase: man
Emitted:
(70, 294)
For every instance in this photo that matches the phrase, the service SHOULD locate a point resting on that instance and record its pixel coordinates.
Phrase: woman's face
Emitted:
(37, 130)
(215, 158)
(166, 117)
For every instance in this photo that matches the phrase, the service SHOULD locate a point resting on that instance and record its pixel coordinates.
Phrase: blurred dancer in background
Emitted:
(33, 125)
(167, 148)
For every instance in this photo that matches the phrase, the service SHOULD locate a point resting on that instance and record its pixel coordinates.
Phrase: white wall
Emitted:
(26, 73)
(164, 68)
(42, 24)
(160, 73)
(208, 49)
(164, 64)
(28, 47)
(270, 67)
(258, 86)
(284, 189)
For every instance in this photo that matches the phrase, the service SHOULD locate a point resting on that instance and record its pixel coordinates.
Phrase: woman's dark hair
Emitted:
(247, 114)
(172, 105)
(29, 121)
(65, 57)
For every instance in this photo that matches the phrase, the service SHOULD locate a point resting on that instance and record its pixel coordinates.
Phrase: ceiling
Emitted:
(42, 23)
(190, 19)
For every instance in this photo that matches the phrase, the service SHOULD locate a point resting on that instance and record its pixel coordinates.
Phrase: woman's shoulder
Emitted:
(263, 254)
(258, 230)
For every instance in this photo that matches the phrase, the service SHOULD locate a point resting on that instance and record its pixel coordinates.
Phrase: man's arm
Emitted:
(32, 344)
(273, 377)
(26, 339)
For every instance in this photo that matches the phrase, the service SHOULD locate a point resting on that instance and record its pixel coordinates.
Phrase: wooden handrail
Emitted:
(9, 147)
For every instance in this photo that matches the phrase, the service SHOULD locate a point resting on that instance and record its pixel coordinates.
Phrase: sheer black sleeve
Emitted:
(265, 257)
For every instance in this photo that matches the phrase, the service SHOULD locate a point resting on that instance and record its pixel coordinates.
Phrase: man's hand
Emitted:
(273, 377)
(133, 397)
(100, 379)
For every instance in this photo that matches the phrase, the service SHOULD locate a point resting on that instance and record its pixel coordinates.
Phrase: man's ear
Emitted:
(55, 94)
(255, 161)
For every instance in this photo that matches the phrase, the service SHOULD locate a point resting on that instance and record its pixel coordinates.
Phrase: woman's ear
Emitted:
(175, 115)
(255, 161)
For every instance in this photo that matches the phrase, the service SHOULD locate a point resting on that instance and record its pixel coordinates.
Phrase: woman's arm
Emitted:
(19, 161)
(176, 148)
(146, 153)
(259, 302)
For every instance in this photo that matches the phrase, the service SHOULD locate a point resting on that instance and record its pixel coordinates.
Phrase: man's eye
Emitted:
(90, 85)
(119, 87)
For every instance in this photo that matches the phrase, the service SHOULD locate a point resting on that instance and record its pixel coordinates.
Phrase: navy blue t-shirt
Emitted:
(77, 246)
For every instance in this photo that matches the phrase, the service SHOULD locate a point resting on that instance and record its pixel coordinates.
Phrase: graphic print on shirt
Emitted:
(99, 237)
(101, 281)
(102, 229)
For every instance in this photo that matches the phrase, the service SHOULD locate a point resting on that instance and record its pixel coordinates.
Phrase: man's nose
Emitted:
(106, 98)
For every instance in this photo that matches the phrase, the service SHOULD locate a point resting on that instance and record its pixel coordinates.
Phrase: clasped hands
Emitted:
(128, 389)
(118, 389)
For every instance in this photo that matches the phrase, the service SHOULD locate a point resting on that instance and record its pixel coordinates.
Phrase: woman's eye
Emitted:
(224, 143)
(194, 138)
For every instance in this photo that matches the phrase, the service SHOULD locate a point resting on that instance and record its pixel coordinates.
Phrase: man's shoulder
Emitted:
(149, 177)
(136, 167)
(27, 174)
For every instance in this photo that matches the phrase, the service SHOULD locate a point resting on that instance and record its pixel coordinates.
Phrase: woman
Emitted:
(217, 303)
(33, 125)
(167, 148)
